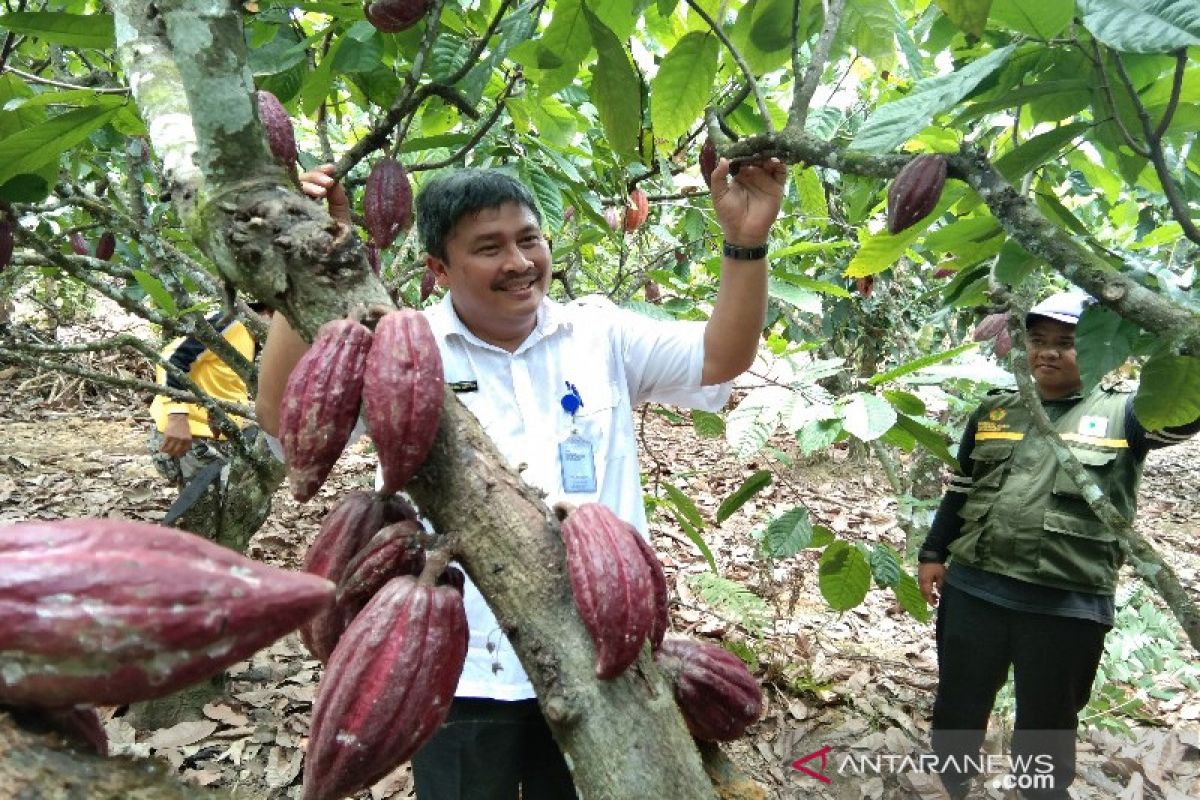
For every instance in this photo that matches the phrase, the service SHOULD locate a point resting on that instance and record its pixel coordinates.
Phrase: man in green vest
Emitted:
(1032, 569)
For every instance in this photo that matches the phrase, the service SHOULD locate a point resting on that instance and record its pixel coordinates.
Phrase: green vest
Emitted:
(1024, 517)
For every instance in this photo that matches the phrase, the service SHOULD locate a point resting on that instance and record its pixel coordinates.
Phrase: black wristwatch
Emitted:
(930, 557)
(736, 251)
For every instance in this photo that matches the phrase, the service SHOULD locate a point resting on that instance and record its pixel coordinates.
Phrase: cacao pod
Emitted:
(78, 244)
(373, 257)
(653, 293)
(106, 246)
(1003, 344)
(109, 612)
(277, 124)
(387, 201)
(568, 213)
(637, 211)
(865, 286)
(393, 16)
(77, 724)
(428, 283)
(454, 578)
(387, 687)
(611, 584)
(716, 694)
(321, 402)
(612, 216)
(990, 326)
(915, 191)
(708, 161)
(345, 531)
(393, 551)
(658, 582)
(403, 392)
(945, 272)
(6, 243)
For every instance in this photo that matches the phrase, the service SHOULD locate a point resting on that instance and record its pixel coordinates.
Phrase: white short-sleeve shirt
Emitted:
(616, 359)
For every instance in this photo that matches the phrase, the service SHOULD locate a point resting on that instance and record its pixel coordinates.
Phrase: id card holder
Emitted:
(577, 459)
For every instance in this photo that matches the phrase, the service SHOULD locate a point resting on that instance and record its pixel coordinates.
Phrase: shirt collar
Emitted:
(446, 324)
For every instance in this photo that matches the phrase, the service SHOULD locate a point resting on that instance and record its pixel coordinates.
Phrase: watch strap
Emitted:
(736, 251)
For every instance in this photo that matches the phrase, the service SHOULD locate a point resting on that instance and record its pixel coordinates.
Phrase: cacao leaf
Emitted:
(613, 82)
(740, 496)
(27, 150)
(92, 30)
(1169, 394)
(708, 425)
(788, 534)
(867, 416)
(681, 87)
(908, 595)
(843, 575)
(1148, 26)
(969, 16)
(1103, 341)
(1043, 19)
(885, 565)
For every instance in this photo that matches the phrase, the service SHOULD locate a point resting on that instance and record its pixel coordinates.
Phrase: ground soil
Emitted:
(859, 683)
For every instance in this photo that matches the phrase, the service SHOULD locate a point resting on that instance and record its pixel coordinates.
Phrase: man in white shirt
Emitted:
(554, 386)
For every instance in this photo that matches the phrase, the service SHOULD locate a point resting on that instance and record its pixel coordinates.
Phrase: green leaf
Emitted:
(614, 90)
(364, 55)
(546, 192)
(788, 534)
(878, 251)
(895, 123)
(908, 595)
(871, 27)
(885, 565)
(750, 487)
(1043, 19)
(824, 287)
(969, 16)
(680, 90)
(29, 149)
(1142, 26)
(56, 27)
(1103, 341)
(560, 49)
(844, 576)
(708, 425)
(791, 294)
(867, 416)
(1014, 263)
(818, 435)
(1169, 394)
(697, 539)
(920, 363)
(960, 233)
(684, 505)
(811, 192)
(154, 287)
(732, 599)
(619, 16)
(904, 402)
(822, 536)
(771, 25)
(928, 438)
(1031, 154)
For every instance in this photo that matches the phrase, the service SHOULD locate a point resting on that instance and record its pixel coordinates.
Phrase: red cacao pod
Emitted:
(373, 257)
(454, 578)
(345, 531)
(717, 695)
(865, 286)
(658, 582)
(393, 16)
(321, 402)
(1003, 344)
(708, 161)
(277, 124)
(915, 191)
(387, 687)
(109, 612)
(990, 326)
(428, 283)
(637, 211)
(106, 246)
(393, 551)
(403, 392)
(944, 272)
(6, 243)
(78, 244)
(611, 584)
(387, 201)
(653, 292)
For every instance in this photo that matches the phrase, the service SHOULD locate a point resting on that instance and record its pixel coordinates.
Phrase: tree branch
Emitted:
(476, 135)
(1110, 100)
(806, 88)
(29, 76)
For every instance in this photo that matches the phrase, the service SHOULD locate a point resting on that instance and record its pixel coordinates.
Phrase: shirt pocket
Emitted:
(1096, 463)
(990, 459)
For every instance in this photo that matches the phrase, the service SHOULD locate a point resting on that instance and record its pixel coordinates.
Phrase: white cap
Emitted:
(1063, 307)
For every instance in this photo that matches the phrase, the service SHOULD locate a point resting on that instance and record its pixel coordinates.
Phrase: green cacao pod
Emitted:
(387, 201)
(716, 694)
(387, 687)
(915, 191)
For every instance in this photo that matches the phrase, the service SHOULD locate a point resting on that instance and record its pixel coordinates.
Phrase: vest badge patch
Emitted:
(1093, 426)
(997, 414)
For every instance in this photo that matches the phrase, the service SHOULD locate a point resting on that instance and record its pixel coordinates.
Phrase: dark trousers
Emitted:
(492, 750)
(1054, 661)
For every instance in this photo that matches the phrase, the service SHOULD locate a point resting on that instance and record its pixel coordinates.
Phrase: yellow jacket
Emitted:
(212, 375)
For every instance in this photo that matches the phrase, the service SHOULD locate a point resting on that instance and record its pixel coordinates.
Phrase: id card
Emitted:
(578, 462)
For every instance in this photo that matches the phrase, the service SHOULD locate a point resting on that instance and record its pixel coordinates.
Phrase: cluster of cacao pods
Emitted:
(105, 246)
(618, 586)
(716, 694)
(636, 211)
(915, 191)
(395, 373)
(393, 16)
(110, 612)
(994, 328)
(277, 124)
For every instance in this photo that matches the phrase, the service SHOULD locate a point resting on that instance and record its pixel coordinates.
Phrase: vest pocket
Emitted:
(989, 458)
(1095, 463)
(1077, 553)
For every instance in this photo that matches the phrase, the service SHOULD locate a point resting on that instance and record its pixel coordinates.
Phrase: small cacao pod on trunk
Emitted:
(373, 257)
(658, 583)
(387, 201)
(387, 687)
(990, 326)
(277, 124)
(321, 402)
(717, 695)
(403, 391)
(78, 244)
(345, 531)
(428, 283)
(915, 191)
(393, 16)
(1003, 344)
(637, 211)
(453, 577)
(109, 612)
(6, 243)
(106, 246)
(611, 584)
(708, 161)
(393, 551)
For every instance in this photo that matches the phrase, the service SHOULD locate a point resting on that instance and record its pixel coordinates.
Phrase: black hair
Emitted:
(453, 194)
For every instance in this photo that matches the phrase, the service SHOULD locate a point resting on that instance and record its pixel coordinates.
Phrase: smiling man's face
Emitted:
(497, 268)
(1052, 357)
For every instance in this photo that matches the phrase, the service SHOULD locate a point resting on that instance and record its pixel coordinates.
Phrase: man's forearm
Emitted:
(281, 351)
(735, 327)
